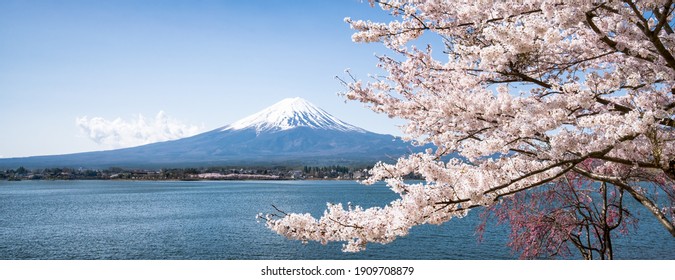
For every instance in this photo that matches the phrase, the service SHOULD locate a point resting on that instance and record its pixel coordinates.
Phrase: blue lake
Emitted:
(216, 220)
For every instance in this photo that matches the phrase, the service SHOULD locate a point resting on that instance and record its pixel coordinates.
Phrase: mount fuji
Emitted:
(291, 132)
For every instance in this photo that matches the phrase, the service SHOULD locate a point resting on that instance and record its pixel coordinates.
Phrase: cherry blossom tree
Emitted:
(574, 211)
(523, 92)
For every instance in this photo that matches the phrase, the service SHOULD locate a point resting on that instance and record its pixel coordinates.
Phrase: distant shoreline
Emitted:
(316, 173)
(279, 173)
(178, 180)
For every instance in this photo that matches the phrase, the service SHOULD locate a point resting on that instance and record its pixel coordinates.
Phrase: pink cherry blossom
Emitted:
(574, 212)
(524, 92)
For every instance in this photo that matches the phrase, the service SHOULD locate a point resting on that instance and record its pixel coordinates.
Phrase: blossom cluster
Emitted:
(522, 93)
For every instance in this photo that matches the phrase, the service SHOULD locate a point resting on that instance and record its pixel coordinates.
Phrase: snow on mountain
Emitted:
(291, 113)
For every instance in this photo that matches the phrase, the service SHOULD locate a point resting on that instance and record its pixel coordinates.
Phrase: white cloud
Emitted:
(120, 133)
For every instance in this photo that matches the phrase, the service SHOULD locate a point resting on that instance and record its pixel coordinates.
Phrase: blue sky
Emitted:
(203, 64)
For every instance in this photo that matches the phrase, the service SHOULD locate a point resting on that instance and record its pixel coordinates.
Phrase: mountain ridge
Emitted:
(290, 132)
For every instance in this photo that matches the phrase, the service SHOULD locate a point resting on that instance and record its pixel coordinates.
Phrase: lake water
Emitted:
(216, 220)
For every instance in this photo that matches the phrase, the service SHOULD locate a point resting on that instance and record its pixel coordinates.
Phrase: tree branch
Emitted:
(635, 194)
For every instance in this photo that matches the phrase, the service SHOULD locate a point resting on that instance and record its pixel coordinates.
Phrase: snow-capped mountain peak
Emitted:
(291, 113)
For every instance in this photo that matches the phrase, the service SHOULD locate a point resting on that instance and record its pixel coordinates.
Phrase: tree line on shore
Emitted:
(334, 172)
